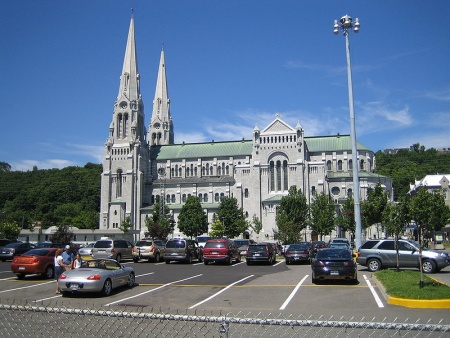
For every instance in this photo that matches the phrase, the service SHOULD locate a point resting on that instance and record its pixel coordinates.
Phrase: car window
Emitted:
(143, 243)
(257, 247)
(327, 254)
(406, 246)
(215, 245)
(387, 245)
(35, 252)
(369, 244)
(103, 244)
(175, 244)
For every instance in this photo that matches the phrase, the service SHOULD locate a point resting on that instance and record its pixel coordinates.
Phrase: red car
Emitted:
(221, 250)
(35, 261)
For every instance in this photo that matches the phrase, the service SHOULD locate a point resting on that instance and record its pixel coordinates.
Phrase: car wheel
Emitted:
(49, 272)
(229, 261)
(189, 259)
(287, 262)
(65, 293)
(238, 260)
(167, 261)
(107, 288)
(20, 276)
(157, 257)
(373, 264)
(135, 259)
(205, 262)
(249, 263)
(118, 258)
(314, 280)
(428, 266)
(131, 280)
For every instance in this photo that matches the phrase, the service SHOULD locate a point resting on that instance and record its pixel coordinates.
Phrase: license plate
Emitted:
(334, 273)
(21, 268)
(214, 252)
(256, 255)
(74, 286)
(173, 253)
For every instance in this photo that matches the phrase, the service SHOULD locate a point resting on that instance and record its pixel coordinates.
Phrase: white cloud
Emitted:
(27, 165)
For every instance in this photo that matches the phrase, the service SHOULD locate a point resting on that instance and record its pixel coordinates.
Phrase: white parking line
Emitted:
(218, 293)
(374, 293)
(159, 287)
(280, 262)
(145, 274)
(27, 287)
(286, 302)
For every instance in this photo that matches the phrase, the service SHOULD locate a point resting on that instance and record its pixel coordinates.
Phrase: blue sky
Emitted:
(230, 65)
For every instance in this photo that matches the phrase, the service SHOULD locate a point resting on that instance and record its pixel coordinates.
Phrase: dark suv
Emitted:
(220, 250)
(381, 253)
(182, 249)
(261, 253)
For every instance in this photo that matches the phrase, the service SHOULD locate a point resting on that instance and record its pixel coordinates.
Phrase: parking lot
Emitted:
(266, 289)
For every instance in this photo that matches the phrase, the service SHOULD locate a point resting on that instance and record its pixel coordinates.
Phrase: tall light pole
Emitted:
(346, 24)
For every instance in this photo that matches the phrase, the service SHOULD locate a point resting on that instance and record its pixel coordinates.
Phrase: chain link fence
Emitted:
(53, 320)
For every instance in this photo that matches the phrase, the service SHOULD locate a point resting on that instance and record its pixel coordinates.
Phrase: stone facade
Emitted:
(258, 172)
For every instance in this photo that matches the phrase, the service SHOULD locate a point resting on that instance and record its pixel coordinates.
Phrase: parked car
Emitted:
(201, 240)
(298, 253)
(339, 245)
(334, 264)
(35, 261)
(96, 275)
(117, 249)
(243, 244)
(261, 253)
(381, 253)
(86, 251)
(221, 250)
(5, 241)
(14, 249)
(341, 240)
(182, 249)
(149, 249)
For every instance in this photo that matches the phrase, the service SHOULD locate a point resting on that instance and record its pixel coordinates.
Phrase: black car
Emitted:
(261, 253)
(300, 252)
(334, 264)
(13, 249)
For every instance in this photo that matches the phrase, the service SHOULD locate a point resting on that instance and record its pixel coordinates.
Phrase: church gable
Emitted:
(278, 127)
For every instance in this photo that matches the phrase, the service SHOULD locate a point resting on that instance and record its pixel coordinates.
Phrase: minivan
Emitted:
(381, 253)
(117, 249)
(182, 249)
(221, 250)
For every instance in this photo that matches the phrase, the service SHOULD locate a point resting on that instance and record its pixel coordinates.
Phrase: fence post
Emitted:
(224, 328)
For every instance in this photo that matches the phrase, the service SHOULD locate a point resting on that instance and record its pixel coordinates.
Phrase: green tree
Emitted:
(62, 235)
(126, 225)
(346, 217)
(217, 229)
(159, 224)
(9, 230)
(5, 166)
(396, 217)
(429, 212)
(232, 217)
(192, 220)
(372, 209)
(322, 215)
(256, 226)
(292, 216)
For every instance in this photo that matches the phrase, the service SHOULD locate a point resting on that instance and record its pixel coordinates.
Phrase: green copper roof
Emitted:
(245, 147)
(332, 143)
(199, 150)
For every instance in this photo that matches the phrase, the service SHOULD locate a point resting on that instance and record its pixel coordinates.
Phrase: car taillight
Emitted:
(94, 277)
(288, 252)
(133, 250)
(62, 276)
(35, 260)
(318, 263)
(113, 251)
(305, 251)
(152, 249)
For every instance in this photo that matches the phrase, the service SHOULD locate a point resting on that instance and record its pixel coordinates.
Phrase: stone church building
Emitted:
(142, 161)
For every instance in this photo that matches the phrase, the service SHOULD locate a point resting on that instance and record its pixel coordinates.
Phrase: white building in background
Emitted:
(141, 163)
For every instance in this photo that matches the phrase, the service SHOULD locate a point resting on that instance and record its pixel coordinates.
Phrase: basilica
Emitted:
(141, 161)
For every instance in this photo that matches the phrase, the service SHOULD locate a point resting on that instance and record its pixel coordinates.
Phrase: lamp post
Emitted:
(346, 24)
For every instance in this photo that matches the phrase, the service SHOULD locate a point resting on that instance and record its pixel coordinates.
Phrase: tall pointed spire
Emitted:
(161, 125)
(129, 80)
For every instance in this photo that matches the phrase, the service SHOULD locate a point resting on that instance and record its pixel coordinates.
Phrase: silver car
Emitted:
(97, 275)
(381, 253)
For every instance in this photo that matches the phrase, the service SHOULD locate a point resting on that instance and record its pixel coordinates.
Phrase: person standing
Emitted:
(76, 262)
(68, 257)
(59, 267)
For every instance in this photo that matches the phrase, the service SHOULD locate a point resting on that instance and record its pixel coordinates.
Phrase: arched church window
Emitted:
(173, 198)
(119, 125)
(329, 165)
(313, 190)
(183, 198)
(361, 165)
(246, 193)
(222, 196)
(167, 198)
(119, 183)
(216, 197)
(350, 165)
(272, 176)
(227, 170)
(340, 165)
(349, 193)
(205, 197)
(200, 198)
(125, 125)
(285, 176)
(187, 172)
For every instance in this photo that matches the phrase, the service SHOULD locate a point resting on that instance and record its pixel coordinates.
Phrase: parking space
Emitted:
(218, 288)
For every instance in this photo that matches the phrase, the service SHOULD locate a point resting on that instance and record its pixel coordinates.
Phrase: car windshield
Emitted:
(12, 245)
(35, 252)
(241, 243)
(294, 247)
(175, 244)
(215, 245)
(257, 248)
(333, 254)
(103, 244)
(144, 243)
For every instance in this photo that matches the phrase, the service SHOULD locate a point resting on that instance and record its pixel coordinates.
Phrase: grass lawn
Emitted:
(405, 284)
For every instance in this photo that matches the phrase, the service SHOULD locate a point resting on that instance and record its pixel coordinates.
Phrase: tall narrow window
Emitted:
(361, 165)
(246, 193)
(119, 126)
(205, 197)
(125, 125)
(340, 165)
(313, 190)
(278, 173)
(200, 198)
(285, 176)
(173, 198)
(328, 165)
(216, 197)
(272, 176)
(119, 183)
(350, 165)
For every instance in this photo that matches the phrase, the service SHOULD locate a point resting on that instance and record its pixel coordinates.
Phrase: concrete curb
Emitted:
(413, 303)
